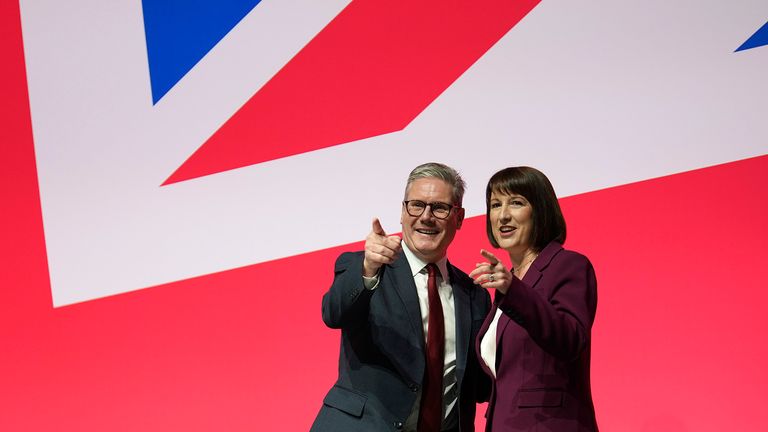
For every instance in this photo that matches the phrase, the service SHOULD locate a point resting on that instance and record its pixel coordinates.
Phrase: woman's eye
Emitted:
(495, 205)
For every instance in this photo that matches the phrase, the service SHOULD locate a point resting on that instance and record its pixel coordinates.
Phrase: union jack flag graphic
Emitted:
(179, 176)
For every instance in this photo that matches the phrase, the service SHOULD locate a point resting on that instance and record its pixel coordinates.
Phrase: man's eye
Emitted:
(441, 208)
(417, 204)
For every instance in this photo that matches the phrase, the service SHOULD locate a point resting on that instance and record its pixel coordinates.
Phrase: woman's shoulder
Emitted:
(561, 255)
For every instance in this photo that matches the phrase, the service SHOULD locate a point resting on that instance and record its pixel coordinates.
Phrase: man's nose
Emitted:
(427, 216)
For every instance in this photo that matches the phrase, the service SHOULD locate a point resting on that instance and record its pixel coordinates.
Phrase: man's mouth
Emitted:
(427, 231)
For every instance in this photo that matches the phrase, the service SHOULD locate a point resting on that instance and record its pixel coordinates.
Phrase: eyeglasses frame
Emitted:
(429, 204)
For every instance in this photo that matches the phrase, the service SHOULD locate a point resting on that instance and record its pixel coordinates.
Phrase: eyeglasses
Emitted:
(440, 210)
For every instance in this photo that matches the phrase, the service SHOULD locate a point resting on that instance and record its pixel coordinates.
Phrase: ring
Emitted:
(491, 278)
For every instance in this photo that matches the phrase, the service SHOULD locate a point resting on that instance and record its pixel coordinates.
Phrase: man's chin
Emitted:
(429, 250)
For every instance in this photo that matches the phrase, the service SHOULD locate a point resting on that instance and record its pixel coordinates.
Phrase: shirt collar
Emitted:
(417, 264)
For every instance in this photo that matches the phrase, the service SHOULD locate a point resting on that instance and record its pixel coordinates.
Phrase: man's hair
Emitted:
(548, 221)
(442, 172)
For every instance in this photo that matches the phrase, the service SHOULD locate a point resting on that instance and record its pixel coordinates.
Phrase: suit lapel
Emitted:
(406, 290)
(462, 307)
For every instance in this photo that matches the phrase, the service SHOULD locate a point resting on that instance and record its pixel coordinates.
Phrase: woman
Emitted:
(535, 342)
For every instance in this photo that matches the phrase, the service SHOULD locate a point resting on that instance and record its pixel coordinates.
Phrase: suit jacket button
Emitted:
(414, 387)
(398, 425)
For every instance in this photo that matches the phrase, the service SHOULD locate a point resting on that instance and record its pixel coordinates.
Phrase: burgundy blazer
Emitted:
(543, 347)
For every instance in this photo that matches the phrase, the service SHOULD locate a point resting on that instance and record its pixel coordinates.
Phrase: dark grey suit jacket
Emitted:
(382, 360)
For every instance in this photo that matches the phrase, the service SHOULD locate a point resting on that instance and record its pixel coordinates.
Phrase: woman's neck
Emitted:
(520, 258)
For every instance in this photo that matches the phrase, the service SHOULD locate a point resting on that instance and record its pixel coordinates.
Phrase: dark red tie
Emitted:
(431, 411)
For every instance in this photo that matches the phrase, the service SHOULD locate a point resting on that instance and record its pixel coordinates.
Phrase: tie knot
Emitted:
(432, 270)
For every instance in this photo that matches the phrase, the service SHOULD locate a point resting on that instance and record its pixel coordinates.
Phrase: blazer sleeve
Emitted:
(347, 301)
(559, 310)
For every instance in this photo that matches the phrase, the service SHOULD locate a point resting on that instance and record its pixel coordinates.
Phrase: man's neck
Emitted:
(416, 262)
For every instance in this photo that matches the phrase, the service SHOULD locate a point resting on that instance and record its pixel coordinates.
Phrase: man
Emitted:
(408, 321)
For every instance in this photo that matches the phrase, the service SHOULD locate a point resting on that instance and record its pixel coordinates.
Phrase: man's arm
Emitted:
(347, 300)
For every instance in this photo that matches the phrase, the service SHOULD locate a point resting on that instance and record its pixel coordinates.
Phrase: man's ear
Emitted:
(459, 217)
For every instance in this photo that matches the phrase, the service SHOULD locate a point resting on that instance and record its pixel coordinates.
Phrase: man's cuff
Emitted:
(371, 283)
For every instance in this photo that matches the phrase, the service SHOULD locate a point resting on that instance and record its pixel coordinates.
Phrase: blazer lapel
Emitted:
(504, 321)
(541, 262)
(531, 278)
(481, 334)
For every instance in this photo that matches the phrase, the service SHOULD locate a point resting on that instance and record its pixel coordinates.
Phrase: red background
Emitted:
(679, 340)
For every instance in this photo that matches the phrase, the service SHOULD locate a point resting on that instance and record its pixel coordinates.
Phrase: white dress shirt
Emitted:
(488, 344)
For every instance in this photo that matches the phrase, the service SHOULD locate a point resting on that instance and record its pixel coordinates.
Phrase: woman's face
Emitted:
(511, 218)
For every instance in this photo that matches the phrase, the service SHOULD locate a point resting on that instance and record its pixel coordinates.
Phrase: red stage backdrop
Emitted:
(178, 179)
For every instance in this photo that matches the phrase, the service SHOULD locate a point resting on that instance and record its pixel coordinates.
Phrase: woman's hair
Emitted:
(548, 221)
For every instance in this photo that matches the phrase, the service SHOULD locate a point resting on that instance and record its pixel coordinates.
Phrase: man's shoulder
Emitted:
(347, 258)
(460, 278)
(458, 275)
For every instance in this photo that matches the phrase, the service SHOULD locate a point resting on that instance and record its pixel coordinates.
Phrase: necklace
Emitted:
(518, 269)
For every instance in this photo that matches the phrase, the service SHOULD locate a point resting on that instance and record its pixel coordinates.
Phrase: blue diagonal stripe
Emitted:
(181, 32)
(760, 38)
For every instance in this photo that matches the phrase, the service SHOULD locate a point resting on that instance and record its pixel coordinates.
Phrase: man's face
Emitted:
(427, 236)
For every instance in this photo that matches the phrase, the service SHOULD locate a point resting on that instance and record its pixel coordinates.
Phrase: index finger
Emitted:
(376, 227)
(489, 256)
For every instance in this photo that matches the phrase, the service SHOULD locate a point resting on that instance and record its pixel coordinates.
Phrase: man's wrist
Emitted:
(372, 282)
